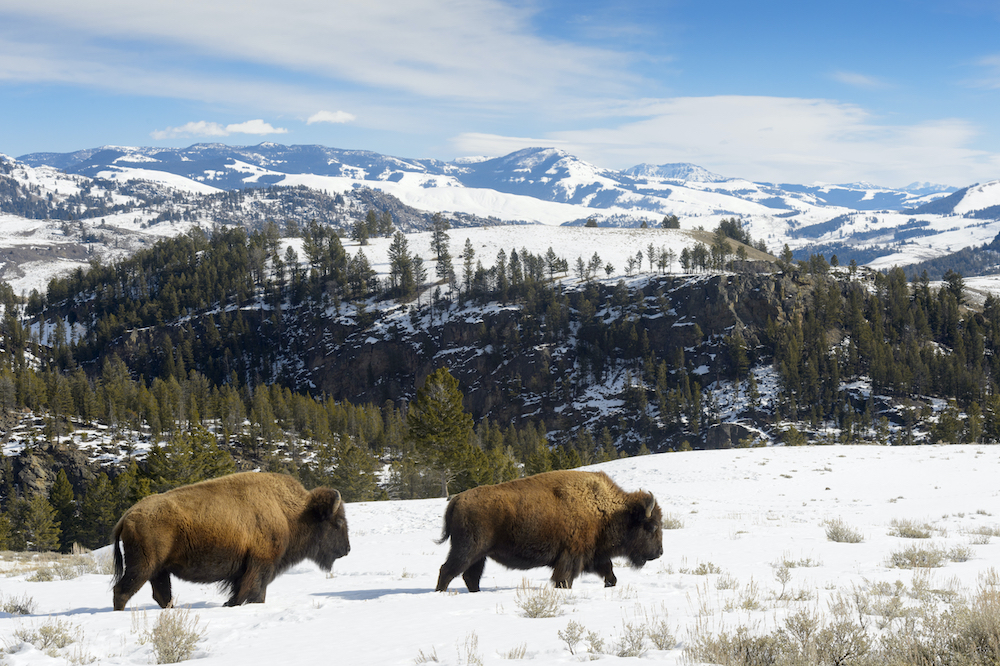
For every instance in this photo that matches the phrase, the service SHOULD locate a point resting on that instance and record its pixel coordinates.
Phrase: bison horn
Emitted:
(650, 504)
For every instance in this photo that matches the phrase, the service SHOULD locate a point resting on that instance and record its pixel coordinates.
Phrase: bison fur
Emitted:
(240, 531)
(571, 521)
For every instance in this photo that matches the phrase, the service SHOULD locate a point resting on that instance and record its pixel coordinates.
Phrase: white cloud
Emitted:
(210, 129)
(336, 117)
(769, 139)
(485, 51)
(859, 80)
(257, 126)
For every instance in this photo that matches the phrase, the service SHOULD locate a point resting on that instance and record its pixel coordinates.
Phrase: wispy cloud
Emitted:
(769, 139)
(483, 51)
(990, 79)
(203, 128)
(336, 117)
(858, 80)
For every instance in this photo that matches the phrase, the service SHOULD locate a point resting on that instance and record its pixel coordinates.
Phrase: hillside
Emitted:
(554, 354)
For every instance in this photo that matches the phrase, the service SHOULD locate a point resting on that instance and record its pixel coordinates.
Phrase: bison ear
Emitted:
(324, 502)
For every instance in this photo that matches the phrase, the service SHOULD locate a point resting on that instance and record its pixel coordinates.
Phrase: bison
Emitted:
(240, 531)
(569, 520)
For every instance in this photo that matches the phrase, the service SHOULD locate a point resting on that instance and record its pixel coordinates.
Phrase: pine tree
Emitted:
(189, 457)
(97, 513)
(63, 502)
(350, 469)
(33, 525)
(439, 428)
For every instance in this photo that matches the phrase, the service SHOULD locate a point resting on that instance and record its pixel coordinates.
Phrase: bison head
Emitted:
(329, 534)
(644, 539)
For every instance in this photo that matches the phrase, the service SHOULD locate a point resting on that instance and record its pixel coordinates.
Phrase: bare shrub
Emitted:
(517, 652)
(572, 635)
(426, 657)
(671, 522)
(909, 529)
(174, 636)
(53, 635)
(840, 532)
(23, 605)
(914, 556)
(632, 642)
(658, 629)
(542, 601)
(961, 554)
(468, 654)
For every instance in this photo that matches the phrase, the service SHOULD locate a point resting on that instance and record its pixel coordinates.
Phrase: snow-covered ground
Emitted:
(745, 515)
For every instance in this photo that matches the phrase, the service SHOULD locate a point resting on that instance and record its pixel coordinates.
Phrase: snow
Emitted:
(742, 511)
(175, 181)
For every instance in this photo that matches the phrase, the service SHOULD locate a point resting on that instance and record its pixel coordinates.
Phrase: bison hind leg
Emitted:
(161, 589)
(133, 578)
(470, 565)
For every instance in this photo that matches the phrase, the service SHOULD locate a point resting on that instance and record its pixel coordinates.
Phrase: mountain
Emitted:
(683, 171)
(857, 221)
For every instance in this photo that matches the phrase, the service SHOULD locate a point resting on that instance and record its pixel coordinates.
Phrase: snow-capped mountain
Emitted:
(860, 221)
(683, 171)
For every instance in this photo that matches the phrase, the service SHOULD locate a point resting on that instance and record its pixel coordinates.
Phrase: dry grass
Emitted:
(542, 601)
(840, 532)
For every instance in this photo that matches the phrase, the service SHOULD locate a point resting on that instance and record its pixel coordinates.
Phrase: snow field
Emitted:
(743, 512)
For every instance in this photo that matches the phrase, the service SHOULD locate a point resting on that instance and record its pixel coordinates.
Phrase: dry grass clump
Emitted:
(840, 532)
(174, 636)
(909, 529)
(542, 601)
(23, 605)
(672, 522)
(913, 557)
(964, 632)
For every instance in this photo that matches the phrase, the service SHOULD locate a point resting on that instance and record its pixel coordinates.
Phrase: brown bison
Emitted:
(240, 531)
(568, 520)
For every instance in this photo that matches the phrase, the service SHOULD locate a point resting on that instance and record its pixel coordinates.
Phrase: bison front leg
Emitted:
(566, 568)
(473, 574)
(607, 570)
(251, 587)
(161, 589)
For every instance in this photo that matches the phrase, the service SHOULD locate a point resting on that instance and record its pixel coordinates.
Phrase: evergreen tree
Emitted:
(97, 513)
(439, 428)
(63, 502)
(350, 469)
(33, 525)
(190, 456)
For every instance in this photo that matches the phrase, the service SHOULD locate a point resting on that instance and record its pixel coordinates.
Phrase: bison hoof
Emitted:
(610, 583)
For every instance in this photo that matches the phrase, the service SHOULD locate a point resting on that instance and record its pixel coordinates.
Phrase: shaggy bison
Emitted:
(570, 521)
(240, 531)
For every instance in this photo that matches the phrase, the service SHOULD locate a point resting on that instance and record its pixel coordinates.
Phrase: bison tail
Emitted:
(446, 530)
(119, 563)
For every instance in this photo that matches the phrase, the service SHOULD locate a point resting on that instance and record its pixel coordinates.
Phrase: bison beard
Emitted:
(568, 520)
(241, 531)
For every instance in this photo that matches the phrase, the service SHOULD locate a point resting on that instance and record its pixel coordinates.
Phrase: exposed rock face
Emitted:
(499, 361)
(726, 435)
(35, 469)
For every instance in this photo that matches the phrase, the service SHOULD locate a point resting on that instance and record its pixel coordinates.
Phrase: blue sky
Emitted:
(885, 91)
